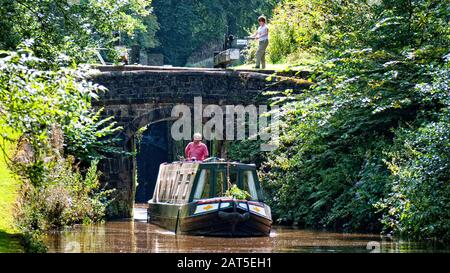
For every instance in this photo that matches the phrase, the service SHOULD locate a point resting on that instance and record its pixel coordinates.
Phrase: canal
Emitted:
(139, 236)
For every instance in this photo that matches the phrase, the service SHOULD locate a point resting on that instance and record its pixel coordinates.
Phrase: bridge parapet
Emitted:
(175, 86)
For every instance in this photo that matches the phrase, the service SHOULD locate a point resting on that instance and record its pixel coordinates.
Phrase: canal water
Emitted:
(139, 236)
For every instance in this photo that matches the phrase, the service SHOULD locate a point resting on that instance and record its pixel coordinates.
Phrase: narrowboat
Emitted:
(190, 198)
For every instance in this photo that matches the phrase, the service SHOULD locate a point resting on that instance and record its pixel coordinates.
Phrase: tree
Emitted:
(73, 27)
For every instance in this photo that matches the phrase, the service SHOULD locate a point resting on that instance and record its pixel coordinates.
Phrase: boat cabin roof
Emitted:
(187, 181)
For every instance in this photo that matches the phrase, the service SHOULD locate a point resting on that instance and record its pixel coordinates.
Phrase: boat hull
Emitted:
(234, 220)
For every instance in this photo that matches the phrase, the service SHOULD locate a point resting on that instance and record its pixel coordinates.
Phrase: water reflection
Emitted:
(139, 236)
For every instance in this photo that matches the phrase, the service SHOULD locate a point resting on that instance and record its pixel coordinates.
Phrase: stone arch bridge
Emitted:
(139, 96)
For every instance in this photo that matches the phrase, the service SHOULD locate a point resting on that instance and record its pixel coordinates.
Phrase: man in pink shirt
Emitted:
(196, 150)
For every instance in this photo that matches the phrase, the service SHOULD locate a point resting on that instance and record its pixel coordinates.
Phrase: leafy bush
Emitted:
(33, 241)
(418, 205)
(67, 198)
(246, 151)
(34, 99)
(297, 25)
(237, 193)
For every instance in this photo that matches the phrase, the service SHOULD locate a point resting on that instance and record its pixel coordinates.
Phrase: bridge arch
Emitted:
(154, 115)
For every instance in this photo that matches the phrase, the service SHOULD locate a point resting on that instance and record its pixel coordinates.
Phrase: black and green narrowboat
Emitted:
(189, 198)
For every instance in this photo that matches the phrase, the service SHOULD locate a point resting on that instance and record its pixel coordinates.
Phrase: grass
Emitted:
(9, 237)
(276, 67)
(298, 61)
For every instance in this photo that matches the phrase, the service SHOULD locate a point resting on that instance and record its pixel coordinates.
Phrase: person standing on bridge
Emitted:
(196, 150)
(262, 34)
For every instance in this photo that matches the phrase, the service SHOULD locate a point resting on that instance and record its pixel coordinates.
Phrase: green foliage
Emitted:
(73, 28)
(67, 198)
(369, 140)
(297, 25)
(419, 204)
(246, 151)
(32, 100)
(235, 192)
(187, 25)
(51, 112)
(144, 37)
(33, 241)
